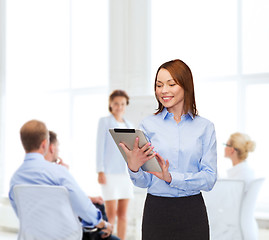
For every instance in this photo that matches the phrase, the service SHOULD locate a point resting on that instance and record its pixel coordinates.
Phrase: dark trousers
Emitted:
(96, 235)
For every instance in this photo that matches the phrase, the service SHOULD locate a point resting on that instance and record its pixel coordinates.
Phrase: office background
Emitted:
(60, 59)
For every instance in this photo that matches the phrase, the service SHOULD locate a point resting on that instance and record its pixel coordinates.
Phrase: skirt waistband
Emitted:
(196, 196)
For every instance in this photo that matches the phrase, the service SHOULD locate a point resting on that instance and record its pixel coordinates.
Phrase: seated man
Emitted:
(35, 140)
(52, 156)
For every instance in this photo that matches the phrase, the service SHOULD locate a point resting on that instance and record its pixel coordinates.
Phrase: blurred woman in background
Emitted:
(113, 176)
(237, 148)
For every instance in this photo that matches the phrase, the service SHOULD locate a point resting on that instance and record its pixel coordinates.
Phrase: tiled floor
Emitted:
(263, 235)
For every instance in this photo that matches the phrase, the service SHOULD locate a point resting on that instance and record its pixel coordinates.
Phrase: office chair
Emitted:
(248, 221)
(223, 205)
(45, 213)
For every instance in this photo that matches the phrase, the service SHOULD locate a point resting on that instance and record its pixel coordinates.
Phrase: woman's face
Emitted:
(118, 106)
(168, 92)
(227, 150)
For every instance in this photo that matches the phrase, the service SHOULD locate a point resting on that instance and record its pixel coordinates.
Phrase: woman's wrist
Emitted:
(133, 169)
(169, 178)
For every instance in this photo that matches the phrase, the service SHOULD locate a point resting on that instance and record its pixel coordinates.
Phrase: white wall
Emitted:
(139, 108)
(2, 88)
(130, 46)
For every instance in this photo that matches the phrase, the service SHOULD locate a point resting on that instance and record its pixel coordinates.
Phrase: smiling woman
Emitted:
(169, 92)
(174, 88)
(185, 145)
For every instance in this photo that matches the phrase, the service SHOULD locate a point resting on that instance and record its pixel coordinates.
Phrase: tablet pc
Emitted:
(128, 136)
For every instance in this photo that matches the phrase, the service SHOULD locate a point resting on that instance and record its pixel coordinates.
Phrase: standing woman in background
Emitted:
(113, 176)
(237, 148)
(174, 208)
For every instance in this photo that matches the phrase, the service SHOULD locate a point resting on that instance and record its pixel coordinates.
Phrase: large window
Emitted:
(57, 69)
(225, 43)
(202, 33)
(57, 72)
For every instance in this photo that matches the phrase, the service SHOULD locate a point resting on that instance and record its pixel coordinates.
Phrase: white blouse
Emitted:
(241, 171)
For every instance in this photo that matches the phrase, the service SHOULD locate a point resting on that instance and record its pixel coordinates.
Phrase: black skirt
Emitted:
(175, 218)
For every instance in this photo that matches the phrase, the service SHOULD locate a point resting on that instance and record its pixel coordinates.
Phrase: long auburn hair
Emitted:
(182, 75)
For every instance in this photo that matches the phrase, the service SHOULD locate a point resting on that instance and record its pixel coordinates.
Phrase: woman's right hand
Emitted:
(101, 178)
(138, 156)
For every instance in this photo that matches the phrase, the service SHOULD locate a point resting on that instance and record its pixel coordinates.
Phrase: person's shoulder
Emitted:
(48, 166)
(105, 119)
(244, 165)
(203, 123)
(203, 120)
(58, 171)
(149, 119)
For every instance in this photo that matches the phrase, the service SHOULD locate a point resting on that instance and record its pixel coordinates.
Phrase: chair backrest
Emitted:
(248, 222)
(45, 213)
(223, 205)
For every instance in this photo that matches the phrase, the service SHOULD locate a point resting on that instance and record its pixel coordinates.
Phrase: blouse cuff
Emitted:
(178, 181)
(135, 174)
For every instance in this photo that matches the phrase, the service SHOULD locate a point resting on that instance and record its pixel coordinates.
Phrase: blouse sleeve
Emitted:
(206, 177)
(141, 178)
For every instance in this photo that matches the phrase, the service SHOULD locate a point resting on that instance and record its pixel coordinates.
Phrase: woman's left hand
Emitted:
(165, 174)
